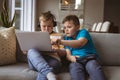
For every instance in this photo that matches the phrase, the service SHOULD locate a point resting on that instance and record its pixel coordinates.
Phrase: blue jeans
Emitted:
(78, 70)
(43, 64)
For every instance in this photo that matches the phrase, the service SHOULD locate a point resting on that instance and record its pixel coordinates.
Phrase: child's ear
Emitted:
(78, 27)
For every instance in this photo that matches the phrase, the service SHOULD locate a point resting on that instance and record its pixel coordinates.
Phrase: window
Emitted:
(25, 14)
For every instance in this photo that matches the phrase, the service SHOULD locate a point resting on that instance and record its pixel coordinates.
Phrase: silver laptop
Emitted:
(38, 40)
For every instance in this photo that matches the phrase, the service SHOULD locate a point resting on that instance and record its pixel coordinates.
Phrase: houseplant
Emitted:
(5, 18)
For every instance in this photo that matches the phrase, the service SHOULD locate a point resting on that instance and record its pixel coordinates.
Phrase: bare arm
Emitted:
(74, 43)
(70, 57)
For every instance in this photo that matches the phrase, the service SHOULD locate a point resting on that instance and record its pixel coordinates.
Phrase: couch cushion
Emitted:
(112, 72)
(108, 47)
(19, 71)
(7, 46)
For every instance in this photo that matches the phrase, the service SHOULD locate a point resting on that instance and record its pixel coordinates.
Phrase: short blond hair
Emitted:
(47, 16)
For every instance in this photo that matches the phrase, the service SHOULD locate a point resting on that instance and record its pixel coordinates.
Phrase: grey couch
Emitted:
(107, 44)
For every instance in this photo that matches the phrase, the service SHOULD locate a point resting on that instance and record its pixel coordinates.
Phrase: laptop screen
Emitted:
(38, 40)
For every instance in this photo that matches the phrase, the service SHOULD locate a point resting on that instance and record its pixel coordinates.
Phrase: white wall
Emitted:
(93, 12)
(47, 5)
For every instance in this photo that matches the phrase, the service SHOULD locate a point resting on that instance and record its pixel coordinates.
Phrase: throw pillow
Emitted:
(7, 46)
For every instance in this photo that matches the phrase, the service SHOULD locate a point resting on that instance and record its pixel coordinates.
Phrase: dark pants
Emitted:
(79, 69)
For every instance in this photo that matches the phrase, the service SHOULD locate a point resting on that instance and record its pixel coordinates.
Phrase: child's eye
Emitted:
(64, 27)
(69, 26)
(49, 26)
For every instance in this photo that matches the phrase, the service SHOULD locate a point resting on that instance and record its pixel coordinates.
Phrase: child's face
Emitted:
(70, 29)
(46, 26)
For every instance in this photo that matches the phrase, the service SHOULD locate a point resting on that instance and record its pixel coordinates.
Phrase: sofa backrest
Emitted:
(108, 47)
(106, 44)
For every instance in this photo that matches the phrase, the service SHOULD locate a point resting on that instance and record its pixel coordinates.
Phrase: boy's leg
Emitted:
(30, 65)
(50, 76)
(36, 59)
(77, 71)
(41, 77)
(54, 63)
(94, 70)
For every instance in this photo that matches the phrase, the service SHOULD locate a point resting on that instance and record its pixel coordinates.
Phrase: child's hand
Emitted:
(55, 46)
(55, 41)
(77, 56)
(71, 58)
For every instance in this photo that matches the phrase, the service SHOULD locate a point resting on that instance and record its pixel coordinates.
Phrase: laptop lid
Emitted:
(38, 40)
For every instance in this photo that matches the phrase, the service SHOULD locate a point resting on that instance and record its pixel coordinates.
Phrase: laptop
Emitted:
(38, 40)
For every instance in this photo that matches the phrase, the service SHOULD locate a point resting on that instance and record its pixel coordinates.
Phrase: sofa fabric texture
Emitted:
(7, 46)
(108, 48)
(107, 45)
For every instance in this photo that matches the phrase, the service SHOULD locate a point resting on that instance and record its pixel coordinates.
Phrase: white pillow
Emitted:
(105, 26)
(7, 46)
